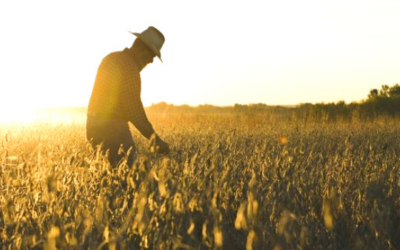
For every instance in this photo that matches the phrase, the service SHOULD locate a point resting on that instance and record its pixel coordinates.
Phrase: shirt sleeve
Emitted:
(132, 103)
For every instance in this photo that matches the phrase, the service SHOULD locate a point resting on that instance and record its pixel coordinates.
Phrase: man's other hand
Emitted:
(162, 147)
(157, 145)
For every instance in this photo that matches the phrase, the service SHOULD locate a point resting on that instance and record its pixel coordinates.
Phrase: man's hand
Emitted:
(163, 147)
(157, 145)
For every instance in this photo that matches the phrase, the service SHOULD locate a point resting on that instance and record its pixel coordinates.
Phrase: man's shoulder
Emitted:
(115, 56)
(121, 58)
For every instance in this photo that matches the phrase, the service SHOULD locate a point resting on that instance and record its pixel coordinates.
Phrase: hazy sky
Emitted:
(216, 52)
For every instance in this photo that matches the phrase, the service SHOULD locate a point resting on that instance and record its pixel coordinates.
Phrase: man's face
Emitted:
(148, 56)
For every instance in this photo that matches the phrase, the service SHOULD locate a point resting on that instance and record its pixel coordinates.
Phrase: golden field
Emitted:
(230, 182)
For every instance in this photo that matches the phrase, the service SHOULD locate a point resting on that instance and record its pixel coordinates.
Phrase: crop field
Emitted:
(230, 182)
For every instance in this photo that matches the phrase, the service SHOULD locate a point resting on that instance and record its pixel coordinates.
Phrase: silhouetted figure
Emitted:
(116, 100)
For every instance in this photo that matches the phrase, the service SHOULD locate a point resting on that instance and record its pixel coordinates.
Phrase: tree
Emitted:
(373, 94)
(384, 92)
(394, 91)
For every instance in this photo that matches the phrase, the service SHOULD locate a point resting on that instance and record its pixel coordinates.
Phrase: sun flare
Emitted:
(18, 114)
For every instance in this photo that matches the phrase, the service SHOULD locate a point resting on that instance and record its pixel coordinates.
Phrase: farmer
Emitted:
(115, 99)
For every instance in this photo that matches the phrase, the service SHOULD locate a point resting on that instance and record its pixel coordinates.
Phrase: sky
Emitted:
(216, 52)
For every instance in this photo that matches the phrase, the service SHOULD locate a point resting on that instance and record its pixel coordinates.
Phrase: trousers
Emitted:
(111, 134)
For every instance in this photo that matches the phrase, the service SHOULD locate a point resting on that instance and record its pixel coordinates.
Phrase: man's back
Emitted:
(107, 95)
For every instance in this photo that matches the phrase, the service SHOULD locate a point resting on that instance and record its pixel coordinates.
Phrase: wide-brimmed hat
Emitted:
(153, 39)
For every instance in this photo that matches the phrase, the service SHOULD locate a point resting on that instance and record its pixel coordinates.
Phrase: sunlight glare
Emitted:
(17, 114)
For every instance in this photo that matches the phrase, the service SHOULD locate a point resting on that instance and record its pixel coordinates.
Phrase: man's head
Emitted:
(153, 39)
(143, 54)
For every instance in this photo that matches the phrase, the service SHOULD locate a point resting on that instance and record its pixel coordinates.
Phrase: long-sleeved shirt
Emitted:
(116, 91)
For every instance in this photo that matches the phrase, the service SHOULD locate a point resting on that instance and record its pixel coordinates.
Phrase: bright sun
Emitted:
(17, 114)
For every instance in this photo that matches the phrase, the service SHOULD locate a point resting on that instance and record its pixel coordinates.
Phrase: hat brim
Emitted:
(150, 46)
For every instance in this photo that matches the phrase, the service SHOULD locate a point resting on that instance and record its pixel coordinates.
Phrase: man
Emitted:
(116, 100)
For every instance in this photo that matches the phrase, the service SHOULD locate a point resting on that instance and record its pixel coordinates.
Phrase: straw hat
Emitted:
(153, 39)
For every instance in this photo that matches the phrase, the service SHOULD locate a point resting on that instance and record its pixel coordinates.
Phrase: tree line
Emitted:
(384, 102)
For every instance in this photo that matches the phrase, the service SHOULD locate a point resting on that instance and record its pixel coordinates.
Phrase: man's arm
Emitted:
(138, 116)
(139, 119)
(135, 113)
